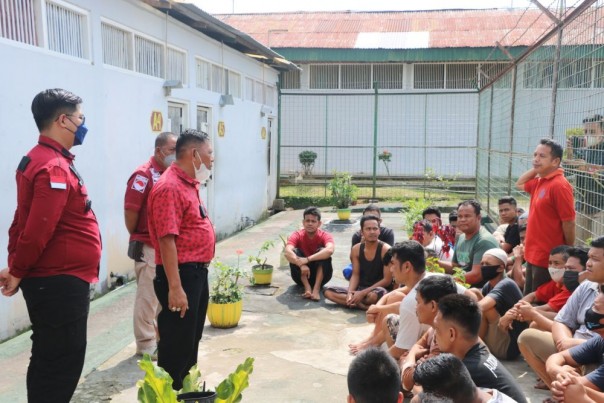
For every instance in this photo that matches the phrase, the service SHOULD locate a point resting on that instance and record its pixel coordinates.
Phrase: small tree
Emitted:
(307, 159)
(343, 192)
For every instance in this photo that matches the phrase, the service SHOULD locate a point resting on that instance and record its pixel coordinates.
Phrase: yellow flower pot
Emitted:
(262, 276)
(224, 316)
(344, 213)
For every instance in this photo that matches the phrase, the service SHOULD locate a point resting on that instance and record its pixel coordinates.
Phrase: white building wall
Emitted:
(118, 104)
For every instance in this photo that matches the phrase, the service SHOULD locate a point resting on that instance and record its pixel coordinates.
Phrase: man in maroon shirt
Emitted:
(54, 248)
(140, 248)
(308, 252)
(184, 241)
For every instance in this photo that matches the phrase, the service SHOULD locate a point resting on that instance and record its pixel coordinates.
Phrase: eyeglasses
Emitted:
(79, 116)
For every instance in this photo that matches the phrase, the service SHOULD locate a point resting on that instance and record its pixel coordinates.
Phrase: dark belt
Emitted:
(195, 265)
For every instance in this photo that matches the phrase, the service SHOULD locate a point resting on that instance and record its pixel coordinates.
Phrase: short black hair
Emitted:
(412, 252)
(369, 218)
(187, 138)
(598, 242)
(579, 253)
(433, 288)
(560, 249)
(446, 375)
(453, 216)
(522, 228)
(373, 207)
(474, 203)
(49, 104)
(431, 210)
(508, 200)
(463, 311)
(554, 146)
(387, 257)
(312, 210)
(426, 225)
(374, 377)
(162, 138)
(597, 118)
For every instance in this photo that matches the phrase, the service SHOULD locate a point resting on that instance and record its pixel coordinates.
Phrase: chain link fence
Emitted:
(556, 90)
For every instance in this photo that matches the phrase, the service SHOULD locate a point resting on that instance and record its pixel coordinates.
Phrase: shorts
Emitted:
(497, 341)
(392, 322)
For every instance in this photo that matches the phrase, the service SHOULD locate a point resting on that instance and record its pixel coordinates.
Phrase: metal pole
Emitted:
(375, 132)
(279, 138)
(489, 153)
(552, 120)
(512, 113)
(325, 148)
(425, 139)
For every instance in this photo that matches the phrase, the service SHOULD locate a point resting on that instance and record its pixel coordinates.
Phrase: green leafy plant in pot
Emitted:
(343, 193)
(226, 294)
(262, 273)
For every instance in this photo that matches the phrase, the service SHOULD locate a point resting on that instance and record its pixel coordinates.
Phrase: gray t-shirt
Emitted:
(572, 313)
(469, 252)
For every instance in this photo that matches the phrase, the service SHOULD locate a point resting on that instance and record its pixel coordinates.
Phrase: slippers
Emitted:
(541, 385)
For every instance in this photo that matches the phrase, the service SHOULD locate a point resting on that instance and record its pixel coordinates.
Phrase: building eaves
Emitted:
(203, 22)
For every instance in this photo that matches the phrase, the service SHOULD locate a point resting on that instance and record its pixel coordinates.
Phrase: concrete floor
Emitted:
(300, 347)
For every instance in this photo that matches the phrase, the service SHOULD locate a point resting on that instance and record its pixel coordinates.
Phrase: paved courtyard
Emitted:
(299, 346)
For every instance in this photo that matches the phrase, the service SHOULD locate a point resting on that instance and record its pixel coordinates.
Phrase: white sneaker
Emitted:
(151, 351)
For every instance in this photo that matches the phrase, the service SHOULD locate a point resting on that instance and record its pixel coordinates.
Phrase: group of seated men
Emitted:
(419, 315)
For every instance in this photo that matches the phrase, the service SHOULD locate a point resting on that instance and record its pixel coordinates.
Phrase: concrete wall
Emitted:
(118, 104)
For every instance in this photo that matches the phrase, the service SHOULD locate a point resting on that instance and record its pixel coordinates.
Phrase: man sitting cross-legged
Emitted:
(308, 252)
(456, 327)
(376, 313)
(370, 277)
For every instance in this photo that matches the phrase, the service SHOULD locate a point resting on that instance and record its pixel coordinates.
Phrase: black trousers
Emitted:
(296, 273)
(58, 310)
(179, 337)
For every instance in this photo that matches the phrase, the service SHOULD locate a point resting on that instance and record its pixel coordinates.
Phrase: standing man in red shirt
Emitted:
(308, 252)
(140, 248)
(184, 241)
(54, 248)
(551, 219)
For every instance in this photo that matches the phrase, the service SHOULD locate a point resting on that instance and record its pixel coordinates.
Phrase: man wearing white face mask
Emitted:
(184, 241)
(140, 248)
(585, 155)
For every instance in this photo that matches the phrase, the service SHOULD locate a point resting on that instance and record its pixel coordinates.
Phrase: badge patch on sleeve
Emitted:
(140, 183)
(58, 182)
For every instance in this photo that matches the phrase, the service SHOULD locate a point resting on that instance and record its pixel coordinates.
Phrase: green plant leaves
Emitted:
(156, 386)
(229, 390)
(192, 381)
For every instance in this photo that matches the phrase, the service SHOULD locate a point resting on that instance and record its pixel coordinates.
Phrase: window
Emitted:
(17, 21)
(356, 76)
(217, 78)
(234, 84)
(324, 76)
(538, 74)
(149, 56)
(461, 76)
(249, 89)
(258, 92)
(290, 80)
(271, 95)
(428, 76)
(388, 76)
(116, 46)
(575, 73)
(203, 74)
(66, 30)
(177, 65)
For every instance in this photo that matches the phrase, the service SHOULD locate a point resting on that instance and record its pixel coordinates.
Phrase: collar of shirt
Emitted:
(184, 177)
(159, 168)
(552, 175)
(55, 145)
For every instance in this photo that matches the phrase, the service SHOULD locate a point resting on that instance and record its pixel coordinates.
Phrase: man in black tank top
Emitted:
(370, 280)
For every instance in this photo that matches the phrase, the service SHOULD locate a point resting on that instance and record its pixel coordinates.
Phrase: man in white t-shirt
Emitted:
(431, 241)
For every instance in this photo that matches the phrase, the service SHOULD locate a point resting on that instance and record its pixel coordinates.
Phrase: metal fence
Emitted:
(430, 138)
(555, 90)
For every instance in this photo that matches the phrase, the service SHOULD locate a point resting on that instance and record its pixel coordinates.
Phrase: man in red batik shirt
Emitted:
(184, 241)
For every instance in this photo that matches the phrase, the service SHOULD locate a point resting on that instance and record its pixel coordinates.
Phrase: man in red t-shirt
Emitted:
(308, 252)
(183, 237)
(140, 248)
(551, 220)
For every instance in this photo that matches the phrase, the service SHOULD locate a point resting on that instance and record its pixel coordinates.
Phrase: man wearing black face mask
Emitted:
(562, 365)
(499, 330)
(54, 248)
(140, 248)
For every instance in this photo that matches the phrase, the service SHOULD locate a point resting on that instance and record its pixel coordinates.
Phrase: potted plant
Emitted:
(307, 159)
(262, 273)
(226, 294)
(343, 192)
(156, 386)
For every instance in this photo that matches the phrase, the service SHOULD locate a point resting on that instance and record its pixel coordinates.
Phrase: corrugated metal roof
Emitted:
(392, 40)
(445, 28)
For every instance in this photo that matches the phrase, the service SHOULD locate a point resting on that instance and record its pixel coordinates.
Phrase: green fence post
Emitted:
(325, 147)
(375, 129)
(278, 139)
